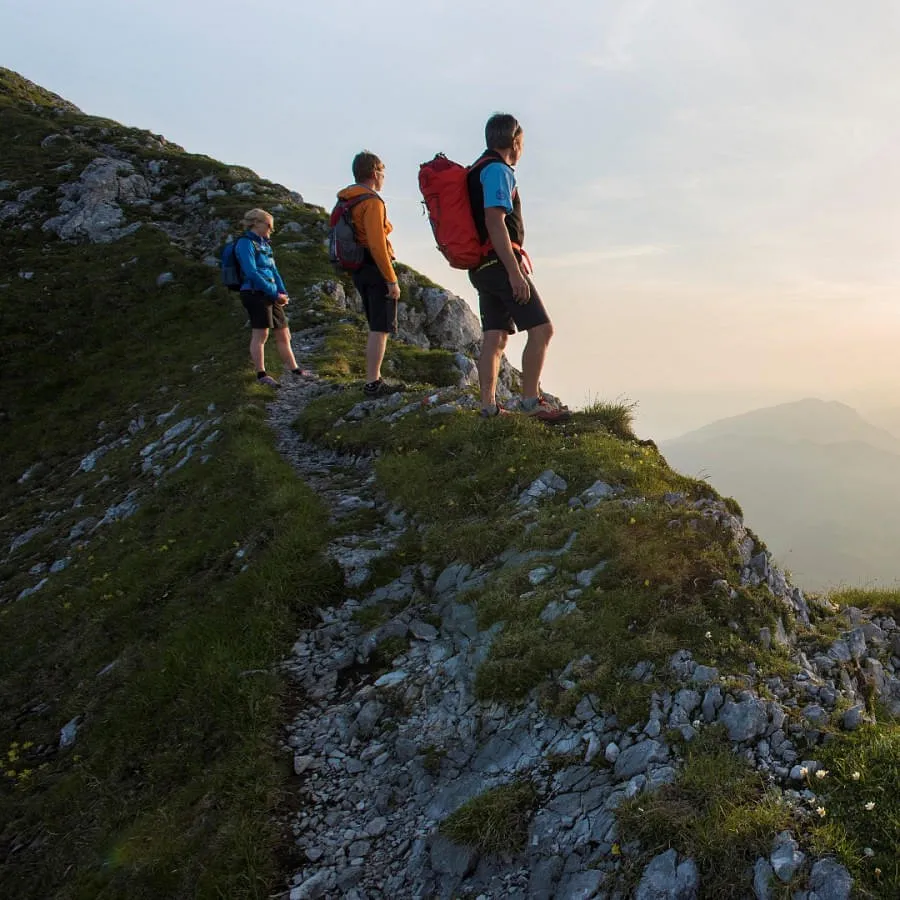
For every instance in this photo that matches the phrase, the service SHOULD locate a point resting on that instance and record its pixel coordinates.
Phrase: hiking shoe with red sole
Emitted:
(544, 412)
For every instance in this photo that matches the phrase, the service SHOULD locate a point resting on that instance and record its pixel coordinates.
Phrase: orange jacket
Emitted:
(372, 228)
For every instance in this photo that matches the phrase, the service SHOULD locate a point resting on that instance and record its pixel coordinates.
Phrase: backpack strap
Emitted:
(360, 198)
(237, 260)
(487, 247)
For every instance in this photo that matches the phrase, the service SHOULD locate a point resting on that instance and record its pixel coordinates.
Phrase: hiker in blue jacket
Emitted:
(264, 295)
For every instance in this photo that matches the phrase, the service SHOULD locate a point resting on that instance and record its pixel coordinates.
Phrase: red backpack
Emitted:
(445, 188)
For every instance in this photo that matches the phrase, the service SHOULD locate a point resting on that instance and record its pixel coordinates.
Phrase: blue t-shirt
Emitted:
(499, 184)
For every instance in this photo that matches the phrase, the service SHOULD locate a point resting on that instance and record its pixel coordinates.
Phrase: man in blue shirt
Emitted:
(507, 298)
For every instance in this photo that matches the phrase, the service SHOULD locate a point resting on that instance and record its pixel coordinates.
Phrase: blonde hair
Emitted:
(252, 216)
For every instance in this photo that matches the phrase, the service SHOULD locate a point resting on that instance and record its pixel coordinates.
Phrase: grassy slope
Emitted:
(169, 789)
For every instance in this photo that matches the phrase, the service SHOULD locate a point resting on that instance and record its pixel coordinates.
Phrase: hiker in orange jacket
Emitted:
(376, 281)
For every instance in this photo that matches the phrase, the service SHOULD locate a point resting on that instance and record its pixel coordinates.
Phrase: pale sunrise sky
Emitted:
(711, 188)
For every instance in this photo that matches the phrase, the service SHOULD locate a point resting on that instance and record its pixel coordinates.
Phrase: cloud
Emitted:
(619, 187)
(615, 54)
(579, 259)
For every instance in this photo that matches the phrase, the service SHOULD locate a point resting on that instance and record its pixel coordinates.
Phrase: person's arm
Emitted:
(373, 223)
(279, 283)
(246, 254)
(495, 222)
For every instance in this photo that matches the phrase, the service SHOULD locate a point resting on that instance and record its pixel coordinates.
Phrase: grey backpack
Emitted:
(344, 251)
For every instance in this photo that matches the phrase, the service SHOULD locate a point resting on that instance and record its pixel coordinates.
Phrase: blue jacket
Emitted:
(258, 267)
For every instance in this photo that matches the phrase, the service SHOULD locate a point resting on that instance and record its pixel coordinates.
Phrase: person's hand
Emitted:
(283, 299)
(393, 291)
(520, 287)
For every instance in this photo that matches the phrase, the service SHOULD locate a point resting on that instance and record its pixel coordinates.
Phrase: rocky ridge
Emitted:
(383, 759)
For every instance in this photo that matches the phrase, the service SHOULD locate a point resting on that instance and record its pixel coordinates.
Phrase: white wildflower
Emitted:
(870, 805)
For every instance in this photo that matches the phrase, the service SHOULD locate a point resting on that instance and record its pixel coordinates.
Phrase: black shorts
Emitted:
(263, 311)
(381, 310)
(497, 305)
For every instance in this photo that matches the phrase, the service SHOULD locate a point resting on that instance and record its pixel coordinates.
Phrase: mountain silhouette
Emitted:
(819, 480)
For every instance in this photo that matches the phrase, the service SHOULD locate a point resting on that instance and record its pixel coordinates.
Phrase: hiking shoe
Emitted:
(552, 404)
(544, 412)
(372, 389)
(380, 388)
(302, 374)
(487, 414)
(268, 381)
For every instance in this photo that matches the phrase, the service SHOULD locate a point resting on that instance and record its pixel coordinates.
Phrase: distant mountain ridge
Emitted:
(887, 418)
(816, 477)
(817, 421)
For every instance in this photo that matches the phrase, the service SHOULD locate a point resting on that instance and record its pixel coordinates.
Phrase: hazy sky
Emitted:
(711, 187)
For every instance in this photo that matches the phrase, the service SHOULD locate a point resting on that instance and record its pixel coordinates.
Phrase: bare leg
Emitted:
(283, 342)
(533, 357)
(258, 348)
(493, 343)
(375, 347)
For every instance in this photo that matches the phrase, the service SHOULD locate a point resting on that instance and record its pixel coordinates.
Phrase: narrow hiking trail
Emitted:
(390, 739)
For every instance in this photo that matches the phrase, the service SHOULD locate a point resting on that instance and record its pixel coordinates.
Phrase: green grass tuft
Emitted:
(848, 827)
(718, 811)
(495, 821)
(879, 601)
(616, 418)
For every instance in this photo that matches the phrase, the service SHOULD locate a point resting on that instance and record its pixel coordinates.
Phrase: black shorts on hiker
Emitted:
(381, 310)
(497, 305)
(263, 311)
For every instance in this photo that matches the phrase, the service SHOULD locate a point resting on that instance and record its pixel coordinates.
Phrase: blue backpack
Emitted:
(231, 267)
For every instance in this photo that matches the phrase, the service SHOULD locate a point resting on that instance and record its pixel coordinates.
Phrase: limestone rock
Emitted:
(829, 880)
(744, 720)
(91, 208)
(665, 879)
(636, 759)
(786, 857)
